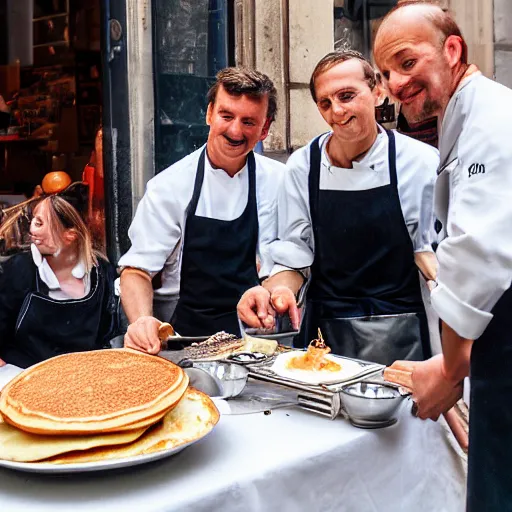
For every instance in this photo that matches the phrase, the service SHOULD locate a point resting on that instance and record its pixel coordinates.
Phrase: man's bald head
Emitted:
(418, 12)
(421, 54)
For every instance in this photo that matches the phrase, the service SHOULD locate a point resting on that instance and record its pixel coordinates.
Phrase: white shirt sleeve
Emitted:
(417, 164)
(268, 184)
(158, 224)
(475, 260)
(294, 248)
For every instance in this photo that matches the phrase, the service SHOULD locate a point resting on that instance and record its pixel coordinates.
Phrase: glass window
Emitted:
(356, 21)
(192, 41)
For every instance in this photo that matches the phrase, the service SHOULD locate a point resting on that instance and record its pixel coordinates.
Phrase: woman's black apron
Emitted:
(490, 415)
(218, 264)
(46, 327)
(365, 292)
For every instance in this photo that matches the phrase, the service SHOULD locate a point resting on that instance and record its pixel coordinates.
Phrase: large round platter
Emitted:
(349, 370)
(83, 467)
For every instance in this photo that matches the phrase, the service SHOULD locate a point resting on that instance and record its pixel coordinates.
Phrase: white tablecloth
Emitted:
(290, 460)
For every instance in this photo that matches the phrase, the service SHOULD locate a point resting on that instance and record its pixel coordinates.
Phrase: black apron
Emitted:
(46, 327)
(490, 415)
(218, 264)
(365, 293)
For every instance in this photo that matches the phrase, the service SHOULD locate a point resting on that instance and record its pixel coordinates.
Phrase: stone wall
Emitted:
(503, 41)
(287, 51)
(475, 19)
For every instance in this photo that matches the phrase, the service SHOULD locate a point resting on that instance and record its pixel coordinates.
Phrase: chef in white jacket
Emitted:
(206, 220)
(355, 208)
(423, 58)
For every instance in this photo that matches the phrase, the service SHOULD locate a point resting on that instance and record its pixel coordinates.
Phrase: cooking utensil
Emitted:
(218, 379)
(172, 341)
(371, 404)
(282, 331)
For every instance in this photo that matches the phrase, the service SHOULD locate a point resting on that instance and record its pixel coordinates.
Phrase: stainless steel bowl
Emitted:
(371, 404)
(218, 379)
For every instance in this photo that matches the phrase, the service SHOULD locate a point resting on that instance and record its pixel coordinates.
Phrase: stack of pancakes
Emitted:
(100, 405)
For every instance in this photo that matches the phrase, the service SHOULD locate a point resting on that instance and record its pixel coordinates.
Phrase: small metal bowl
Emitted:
(371, 404)
(226, 380)
(247, 357)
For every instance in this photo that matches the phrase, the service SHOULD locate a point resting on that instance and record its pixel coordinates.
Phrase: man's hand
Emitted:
(433, 393)
(283, 300)
(255, 309)
(142, 335)
(3, 106)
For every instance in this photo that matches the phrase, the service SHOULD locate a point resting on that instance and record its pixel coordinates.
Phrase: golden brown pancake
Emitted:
(20, 446)
(193, 417)
(92, 392)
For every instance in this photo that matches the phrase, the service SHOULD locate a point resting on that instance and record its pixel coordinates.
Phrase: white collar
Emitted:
(371, 161)
(208, 167)
(471, 74)
(46, 273)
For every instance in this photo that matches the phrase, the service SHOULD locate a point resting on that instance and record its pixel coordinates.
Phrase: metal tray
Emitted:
(324, 399)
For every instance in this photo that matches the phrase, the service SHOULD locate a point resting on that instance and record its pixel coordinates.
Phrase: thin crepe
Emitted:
(193, 418)
(20, 446)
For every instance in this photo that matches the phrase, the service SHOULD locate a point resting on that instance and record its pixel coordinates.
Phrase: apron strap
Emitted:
(198, 183)
(252, 202)
(392, 160)
(315, 158)
(251, 168)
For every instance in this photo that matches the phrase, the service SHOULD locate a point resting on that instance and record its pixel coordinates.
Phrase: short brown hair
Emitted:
(441, 19)
(333, 58)
(239, 81)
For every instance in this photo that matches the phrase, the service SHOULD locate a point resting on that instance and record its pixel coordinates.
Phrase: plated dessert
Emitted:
(316, 365)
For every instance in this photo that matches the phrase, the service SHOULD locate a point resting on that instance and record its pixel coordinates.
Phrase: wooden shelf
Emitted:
(51, 16)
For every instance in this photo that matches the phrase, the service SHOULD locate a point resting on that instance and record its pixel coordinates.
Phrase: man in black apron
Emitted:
(207, 218)
(364, 291)
(473, 198)
(365, 288)
(219, 261)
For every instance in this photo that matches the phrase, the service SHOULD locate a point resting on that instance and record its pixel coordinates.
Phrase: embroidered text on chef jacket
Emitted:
(475, 260)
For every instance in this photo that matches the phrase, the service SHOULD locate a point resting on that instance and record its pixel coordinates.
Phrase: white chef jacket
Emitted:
(416, 165)
(473, 200)
(158, 227)
(48, 277)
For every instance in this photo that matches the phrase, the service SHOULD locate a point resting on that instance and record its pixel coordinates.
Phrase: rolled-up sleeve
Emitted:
(294, 248)
(157, 226)
(475, 260)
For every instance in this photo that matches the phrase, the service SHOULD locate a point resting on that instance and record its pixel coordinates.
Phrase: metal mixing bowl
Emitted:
(227, 380)
(371, 404)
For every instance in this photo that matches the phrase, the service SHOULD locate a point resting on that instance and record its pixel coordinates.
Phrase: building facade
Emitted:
(165, 53)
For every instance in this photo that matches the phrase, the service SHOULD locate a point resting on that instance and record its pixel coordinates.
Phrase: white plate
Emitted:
(83, 467)
(349, 370)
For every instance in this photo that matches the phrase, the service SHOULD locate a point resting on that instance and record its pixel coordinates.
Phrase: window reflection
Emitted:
(191, 45)
(356, 22)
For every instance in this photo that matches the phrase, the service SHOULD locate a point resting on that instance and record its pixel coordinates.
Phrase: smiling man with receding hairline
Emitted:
(423, 59)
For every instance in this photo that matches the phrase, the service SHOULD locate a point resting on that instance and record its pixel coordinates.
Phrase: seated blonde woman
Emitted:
(59, 296)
